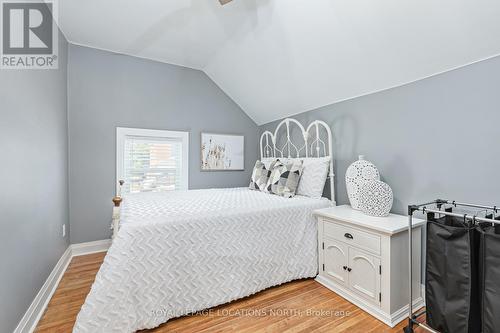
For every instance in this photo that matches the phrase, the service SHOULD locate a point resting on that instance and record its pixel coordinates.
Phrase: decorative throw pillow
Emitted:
(268, 160)
(314, 176)
(284, 178)
(260, 176)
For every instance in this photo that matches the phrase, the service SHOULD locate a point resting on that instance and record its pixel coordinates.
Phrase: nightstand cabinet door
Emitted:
(364, 275)
(335, 258)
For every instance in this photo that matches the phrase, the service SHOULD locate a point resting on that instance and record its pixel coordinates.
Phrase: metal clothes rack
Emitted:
(412, 318)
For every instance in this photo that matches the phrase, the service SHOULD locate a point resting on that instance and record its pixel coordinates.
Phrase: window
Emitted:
(152, 160)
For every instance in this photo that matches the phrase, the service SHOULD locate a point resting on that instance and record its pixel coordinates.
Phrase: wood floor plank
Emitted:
(301, 306)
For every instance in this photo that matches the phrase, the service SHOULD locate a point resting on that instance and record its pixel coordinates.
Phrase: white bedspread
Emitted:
(182, 252)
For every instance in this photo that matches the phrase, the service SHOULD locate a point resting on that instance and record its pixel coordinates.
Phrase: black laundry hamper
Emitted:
(489, 277)
(451, 275)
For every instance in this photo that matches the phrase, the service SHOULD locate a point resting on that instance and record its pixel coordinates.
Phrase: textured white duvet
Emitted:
(182, 252)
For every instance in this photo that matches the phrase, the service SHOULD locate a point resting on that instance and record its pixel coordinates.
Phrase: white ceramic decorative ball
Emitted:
(376, 198)
(358, 173)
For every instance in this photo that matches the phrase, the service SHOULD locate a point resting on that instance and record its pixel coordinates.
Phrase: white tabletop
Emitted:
(391, 224)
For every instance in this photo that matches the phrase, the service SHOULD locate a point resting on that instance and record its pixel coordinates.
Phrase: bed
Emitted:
(177, 253)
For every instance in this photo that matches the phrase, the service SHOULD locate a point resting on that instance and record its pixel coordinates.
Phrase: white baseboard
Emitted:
(35, 311)
(90, 247)
(37, 307)
(403, 313)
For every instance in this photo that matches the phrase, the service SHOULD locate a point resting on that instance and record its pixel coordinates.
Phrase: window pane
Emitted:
(152, 164)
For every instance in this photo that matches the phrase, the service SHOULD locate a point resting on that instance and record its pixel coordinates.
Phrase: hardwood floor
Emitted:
(299, 306)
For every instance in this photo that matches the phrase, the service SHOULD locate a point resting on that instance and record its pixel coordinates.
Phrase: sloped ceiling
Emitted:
(276, 58)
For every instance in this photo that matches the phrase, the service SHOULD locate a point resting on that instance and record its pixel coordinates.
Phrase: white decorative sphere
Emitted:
(358, 173)
(376, 198)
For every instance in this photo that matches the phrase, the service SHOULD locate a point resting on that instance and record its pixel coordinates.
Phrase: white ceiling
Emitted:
(276, 58)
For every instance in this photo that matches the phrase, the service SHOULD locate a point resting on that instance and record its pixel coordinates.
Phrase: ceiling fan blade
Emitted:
(223, 2)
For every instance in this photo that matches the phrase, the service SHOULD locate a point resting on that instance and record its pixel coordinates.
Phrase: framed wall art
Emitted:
(220, 152)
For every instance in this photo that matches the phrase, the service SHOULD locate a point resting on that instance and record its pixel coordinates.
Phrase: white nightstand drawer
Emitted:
(361, 239)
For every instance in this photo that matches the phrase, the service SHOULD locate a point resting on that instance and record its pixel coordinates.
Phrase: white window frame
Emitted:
(123, 132)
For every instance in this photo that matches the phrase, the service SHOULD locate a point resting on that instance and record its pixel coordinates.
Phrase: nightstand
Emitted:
(365, 260)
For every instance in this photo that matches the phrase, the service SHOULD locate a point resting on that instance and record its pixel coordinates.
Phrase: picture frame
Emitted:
(222, 152)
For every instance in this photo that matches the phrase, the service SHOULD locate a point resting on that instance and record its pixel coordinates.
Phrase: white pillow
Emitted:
(314, 175)
(313, 179)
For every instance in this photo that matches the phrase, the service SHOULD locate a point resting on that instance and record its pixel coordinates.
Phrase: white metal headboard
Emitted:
(311, 146)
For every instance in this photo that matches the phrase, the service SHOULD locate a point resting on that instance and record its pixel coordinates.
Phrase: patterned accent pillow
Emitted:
(284, 178)
(260, 176)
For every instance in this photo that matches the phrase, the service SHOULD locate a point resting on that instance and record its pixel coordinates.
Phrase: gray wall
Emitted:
(108, 90)
(437, 137)
(34, 186)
